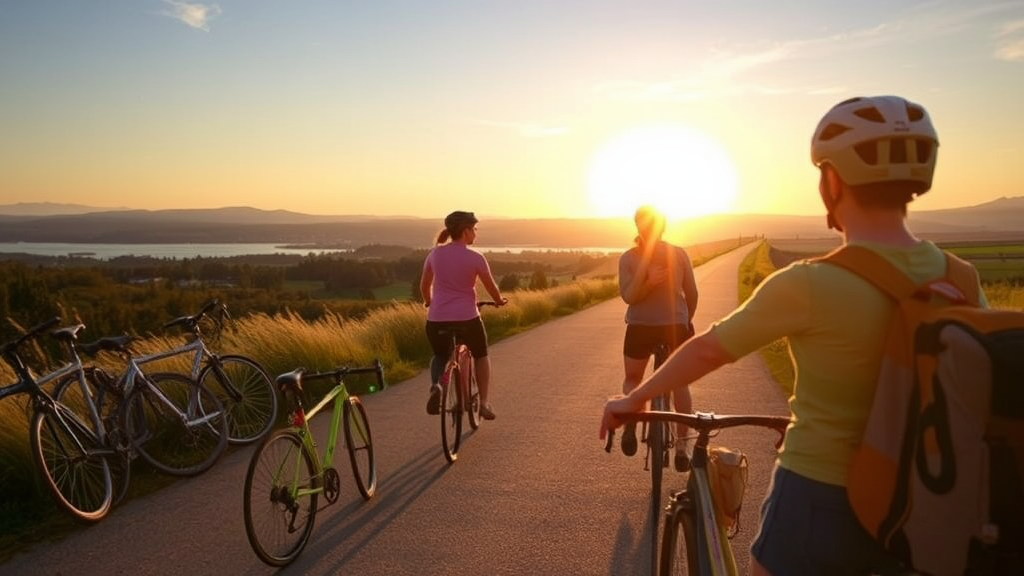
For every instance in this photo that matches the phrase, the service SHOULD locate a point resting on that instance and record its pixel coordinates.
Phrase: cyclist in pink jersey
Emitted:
(448, 287)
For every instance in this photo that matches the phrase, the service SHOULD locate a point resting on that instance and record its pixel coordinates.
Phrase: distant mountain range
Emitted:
(47, 222)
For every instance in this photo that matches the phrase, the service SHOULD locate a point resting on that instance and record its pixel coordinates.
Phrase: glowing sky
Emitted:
(508, 108)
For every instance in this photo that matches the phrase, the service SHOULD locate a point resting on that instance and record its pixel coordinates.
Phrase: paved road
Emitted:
(532, 493)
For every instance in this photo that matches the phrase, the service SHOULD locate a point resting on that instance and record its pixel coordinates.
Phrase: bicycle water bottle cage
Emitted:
(291, 381)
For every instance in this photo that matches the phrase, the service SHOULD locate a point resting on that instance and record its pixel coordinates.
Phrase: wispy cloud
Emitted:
(197, 16)
(1010, 41)
(733, 69)
(527, 129)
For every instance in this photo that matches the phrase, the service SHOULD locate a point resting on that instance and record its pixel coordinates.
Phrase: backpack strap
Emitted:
(874, 268)
(964, 276)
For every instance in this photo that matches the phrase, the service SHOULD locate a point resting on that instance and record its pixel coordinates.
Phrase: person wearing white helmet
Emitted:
(874, 155)
(448, 288)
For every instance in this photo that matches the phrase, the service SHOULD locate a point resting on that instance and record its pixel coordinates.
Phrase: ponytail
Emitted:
(442, 236)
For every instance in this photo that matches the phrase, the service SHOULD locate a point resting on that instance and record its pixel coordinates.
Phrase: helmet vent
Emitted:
(914, 113)
(868, 152)
(924, 151)
(898, 151)
(871, 114)
(831, 131)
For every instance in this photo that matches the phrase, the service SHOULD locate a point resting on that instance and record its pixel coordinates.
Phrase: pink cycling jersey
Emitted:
(456, 268)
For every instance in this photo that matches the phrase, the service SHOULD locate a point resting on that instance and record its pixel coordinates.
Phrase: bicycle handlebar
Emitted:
(192, 321)
(705, 422)
(32, 333)
(294, 378)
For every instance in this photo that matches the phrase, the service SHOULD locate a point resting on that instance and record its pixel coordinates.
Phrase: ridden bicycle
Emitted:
(459, 391)
(69, 449)
(695, 543)
(660, 438)
(286, 474)
(240, 383)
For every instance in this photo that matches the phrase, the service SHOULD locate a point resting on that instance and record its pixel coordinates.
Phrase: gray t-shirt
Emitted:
(665, 303)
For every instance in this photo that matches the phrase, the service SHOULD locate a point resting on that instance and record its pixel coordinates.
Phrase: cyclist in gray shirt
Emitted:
(656, 281)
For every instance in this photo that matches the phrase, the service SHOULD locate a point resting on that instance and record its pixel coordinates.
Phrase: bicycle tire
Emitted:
(656, 445)
(80, 483)
(359, 442)
(451, 415)
(249, 396)
(163, 438)
(678, 546)
(107, 403)
(271, 509)
(473, 402)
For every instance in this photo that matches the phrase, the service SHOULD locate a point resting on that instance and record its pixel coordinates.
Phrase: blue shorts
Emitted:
(808, 527)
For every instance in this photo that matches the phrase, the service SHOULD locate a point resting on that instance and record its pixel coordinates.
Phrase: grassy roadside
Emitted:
(281, 343)
(753, 270)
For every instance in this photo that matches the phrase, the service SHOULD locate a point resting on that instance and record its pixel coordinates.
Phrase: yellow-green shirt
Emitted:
(835, 323)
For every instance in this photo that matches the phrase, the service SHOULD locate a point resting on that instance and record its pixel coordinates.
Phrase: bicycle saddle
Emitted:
(68, 332)
(111, 343)
(290, 380)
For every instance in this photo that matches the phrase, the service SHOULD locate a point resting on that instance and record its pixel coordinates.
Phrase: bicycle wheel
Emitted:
(68, 392)
(247, 393)
(171, 428)
(78, 480)
(473, 402)
(678, 546)
(451, 415)
(360, 447)
(280, 498)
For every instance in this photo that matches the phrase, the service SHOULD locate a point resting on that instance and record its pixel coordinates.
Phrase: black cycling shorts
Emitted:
(471, 333)
(640, 340)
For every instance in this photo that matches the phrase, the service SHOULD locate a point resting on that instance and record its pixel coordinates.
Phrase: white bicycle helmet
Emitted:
(877, 139)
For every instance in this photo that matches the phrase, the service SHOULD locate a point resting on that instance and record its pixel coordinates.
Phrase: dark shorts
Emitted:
(471, 333)
(808, 528)
(640, 339)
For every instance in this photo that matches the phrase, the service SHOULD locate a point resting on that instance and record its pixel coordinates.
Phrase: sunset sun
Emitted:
(679, 171)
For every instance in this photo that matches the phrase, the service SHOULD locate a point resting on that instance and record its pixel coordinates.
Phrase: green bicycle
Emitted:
(287, 475)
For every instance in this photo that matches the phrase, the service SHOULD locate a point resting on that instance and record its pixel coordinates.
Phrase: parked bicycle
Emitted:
(69, 448)
(241, 383)
(172, 421)
(287, 474)
(695, 543)
(459, 391)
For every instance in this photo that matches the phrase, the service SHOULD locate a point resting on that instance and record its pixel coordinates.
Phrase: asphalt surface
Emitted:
(533, 492)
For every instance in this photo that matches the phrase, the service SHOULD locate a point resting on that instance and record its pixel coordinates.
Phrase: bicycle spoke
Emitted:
(79, 481)
(172, 430)
(279, 511)
(247, 394)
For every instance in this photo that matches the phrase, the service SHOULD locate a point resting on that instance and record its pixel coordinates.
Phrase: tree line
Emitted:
(140, 294)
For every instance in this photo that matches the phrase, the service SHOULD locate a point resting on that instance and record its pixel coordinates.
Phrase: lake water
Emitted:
(108, 251)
